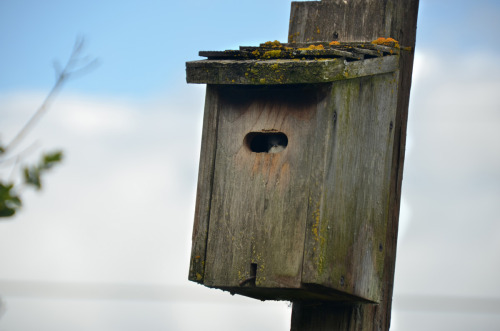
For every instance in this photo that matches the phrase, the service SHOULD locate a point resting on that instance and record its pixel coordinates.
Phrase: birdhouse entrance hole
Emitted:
(266, 142)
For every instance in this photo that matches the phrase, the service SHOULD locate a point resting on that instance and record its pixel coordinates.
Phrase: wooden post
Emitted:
(362, 20)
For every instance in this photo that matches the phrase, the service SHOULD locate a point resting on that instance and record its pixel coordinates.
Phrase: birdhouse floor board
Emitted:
(306, 293)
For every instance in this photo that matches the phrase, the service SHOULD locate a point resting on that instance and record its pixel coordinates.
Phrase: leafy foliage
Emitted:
(9, 201)
(32, 173)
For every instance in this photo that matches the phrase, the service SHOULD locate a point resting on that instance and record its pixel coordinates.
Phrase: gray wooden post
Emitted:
(356, 20)
(301, 165)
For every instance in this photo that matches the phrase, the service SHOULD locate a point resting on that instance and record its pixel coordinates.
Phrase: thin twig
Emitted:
(68, 71)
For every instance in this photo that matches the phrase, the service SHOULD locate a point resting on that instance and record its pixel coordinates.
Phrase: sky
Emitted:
(106, 244)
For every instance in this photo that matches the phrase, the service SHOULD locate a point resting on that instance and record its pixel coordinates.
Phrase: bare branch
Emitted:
(71, 69)
(10, 200)
(57, 68)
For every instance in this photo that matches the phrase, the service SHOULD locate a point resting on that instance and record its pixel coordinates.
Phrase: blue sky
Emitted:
(142, 45)
(109, 236)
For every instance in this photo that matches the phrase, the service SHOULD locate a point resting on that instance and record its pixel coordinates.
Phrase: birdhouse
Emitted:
(295, 169)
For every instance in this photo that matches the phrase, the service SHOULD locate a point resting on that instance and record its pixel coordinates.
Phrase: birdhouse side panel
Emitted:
(347, 221)
(204, 189)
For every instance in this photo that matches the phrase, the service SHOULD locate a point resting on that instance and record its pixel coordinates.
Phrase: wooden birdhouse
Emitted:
(295, 168)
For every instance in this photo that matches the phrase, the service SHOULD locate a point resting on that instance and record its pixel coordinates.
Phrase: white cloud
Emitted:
(120, 207)
(452, 178)
(95, 117)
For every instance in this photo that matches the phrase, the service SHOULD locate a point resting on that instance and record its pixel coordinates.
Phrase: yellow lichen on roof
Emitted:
(334, 43)
(386, 42)
(272, 44)
(312, 47)
(272, 54)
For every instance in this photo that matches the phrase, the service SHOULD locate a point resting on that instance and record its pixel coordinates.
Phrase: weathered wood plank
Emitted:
(258, 202)
(248, 54)
(350, 21)
(304, 218)
(205, 182)
(362, 20)
(368, 52)
(284, 71)
(348, 216)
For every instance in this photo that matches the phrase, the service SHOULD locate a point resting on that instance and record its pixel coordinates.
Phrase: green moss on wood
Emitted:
(277, 71)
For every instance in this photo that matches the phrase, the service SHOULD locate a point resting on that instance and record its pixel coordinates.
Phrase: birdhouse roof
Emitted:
(274, 63)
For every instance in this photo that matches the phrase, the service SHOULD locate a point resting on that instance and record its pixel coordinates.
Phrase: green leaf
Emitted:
(32, 174)
(3, 148)
(50, 159)
(9, 202)
(32, 177)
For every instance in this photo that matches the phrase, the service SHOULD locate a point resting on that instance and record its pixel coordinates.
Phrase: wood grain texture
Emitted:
(310, 218)
(317, 221)
(258, 205)
(205, 182)
(283, 71)
(362, 20)
(349, 207)
(352, 20)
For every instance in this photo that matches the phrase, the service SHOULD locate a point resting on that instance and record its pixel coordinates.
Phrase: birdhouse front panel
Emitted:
(259, 198)
(294, 178)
